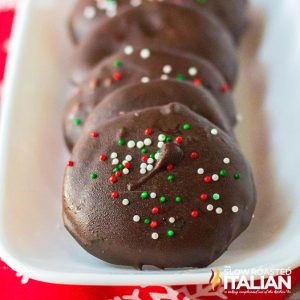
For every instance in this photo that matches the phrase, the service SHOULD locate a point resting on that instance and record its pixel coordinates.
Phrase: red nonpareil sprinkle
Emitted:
(194, 214)
(126, 165)
(118, 173)
(197, 82)
(207, 179)
(70, 163)
(115, 195)
(113, 179)
(179, 139)
(169, 167)
(116, 76)
(94, 134)
(155, 210)
(153, 224)
(224, 88)
(194, 155)
(145, 158)
(203, 196)
(148, 131)
(102, 157)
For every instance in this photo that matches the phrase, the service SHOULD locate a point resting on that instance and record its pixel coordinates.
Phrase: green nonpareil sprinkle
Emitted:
(178, 199)
(162, 199)
(120, 166)
(216, 196)
(170, 232)
(180, 77)
(115, 169)
(157, 151)
(152, 156)
(93, 176)
(147, 221)
(121, 142)
(144, 151)
(144, 195)
(223, 172)
(168, 139)
(77, 121)
(117, 63)
(171, 178)
(237, 176)
(186, 127)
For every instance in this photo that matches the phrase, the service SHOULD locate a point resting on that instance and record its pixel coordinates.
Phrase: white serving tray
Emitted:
(32, 158)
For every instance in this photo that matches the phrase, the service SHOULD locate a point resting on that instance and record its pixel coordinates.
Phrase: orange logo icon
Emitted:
(215, 280)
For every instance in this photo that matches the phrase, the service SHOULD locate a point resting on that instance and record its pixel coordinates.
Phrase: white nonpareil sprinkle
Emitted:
(160, 144)
(128, 157)
(145, 79)
(90, 12)
(135, 3)
(192, 71)
(128, 50)
(147, 142)
(235, 209)
(131, 144)
(150, 161)
(114, 155)
(136, 218)
(219, 210)
(215, 177)
(172, 220)
(115, 161)
(145, 53)
(164, 77)
(200, 171)
(156, 156)
(125, 171)
(161, 137)
(214, 131)
(149, 168)
(143, 166)
(153, 195)
(143, 171)
(140, 144)
(226, 160)
(125, 202)
(154, 235)
(209, 207)
(167, 69)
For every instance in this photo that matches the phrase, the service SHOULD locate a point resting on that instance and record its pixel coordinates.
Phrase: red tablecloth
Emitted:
(17, 286)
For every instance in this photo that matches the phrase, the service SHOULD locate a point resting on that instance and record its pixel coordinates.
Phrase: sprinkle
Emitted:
(114, 155)
(203, 196)
(168, 139)
(94, 134)
(186, 126)
(128, 50)
(148, 131)
(147, 221)
(93, 176)
(224, 88)
(118, 173)
(197, 82)
(144, 158)
(235, 209)
(171, 178)
(143, 171)
(153, 224)
(216, 196)
(223, 172)
(70, 163)
(150, 168)
(115, 169)
(135, 3)
(144, 195)
(131, 144)
(126, 164)
(143, 165)
(179, 139)
(113, 179)
(121, 142)
(140, 144)
(200, 171)
(128, 157)
(136, 218)
(167, 69)
(77, 121)
(161, 137)
(209, 207)
(162, 199)
(180, 77)
(120, 166)
(144, 151)
(115, 161)
(89, 12)
(115, 195)
(207, 179)
(170, 233)
(145, 53)
(164, 77)
(154, 235)
(147, 142)
(214, 131)
(178, 199)
(153, 195)
(160, 144)
(172, 220)
(150, 160)
(237, 176)
(194, 155)
(145, 79)
(194, 214)
(170, 167)
(125, 171)
(154, 210)
(125, 202)
(215, 177)
(226, 160)
(117, 63)
(219, 210)
(102, 157)
(156, 156)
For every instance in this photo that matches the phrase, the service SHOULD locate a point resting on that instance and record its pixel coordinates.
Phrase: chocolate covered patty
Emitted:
(128, 66)
(161, 186)
(162, 26)
(89, 13)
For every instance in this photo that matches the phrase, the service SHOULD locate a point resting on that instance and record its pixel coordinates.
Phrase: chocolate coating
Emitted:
(132, 69)
(87, 14)
(125, 223)
(161, 26)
